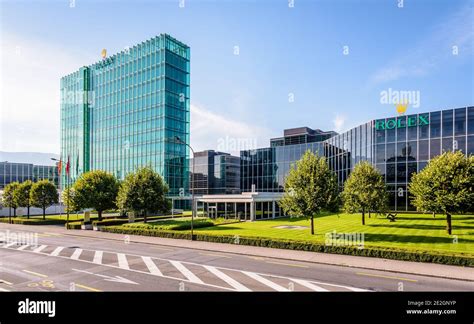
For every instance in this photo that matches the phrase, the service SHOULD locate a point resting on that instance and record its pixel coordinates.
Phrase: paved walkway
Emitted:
(418, 268)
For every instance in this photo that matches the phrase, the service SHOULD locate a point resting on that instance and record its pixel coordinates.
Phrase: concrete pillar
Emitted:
(273, 209)
(252, 211)
(235, 210)
(245, 211)
(225, 210)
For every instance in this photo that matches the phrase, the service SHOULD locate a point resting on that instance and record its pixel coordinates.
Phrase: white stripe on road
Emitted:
(188, 274)
(122, 261)
(309, 285)
(76, 254)
(265, 281)
(40, 248)
(356, 289)
(98, 257)
(9, 244)
(23, 247)
(57, 251)
(151, 266)
(3, 289)
(235, 284)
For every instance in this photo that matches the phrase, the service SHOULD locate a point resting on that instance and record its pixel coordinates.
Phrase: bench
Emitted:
(391, 217)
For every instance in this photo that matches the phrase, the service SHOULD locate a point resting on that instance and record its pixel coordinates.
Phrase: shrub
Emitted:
(396, 254)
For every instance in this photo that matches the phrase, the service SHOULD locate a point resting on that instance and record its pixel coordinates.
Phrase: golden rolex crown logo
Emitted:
(402, 107)
(103, 53)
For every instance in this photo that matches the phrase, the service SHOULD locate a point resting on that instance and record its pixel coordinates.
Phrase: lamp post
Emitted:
(178, 139)
(67, 190)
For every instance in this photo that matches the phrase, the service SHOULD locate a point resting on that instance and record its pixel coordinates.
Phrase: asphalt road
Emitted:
(62, 262)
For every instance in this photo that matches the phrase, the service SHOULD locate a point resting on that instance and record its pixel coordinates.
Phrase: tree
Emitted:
(43, 194)
(69, 199)
(95, 189)
(142, 192)
(310, 187)
(8, 198)
(22, 195)
(364, 190)
(445, 186)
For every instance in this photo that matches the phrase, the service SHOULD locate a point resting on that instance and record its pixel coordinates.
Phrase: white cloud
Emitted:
(339, 122)
(29, 92)
(224, 133)
(434, 51)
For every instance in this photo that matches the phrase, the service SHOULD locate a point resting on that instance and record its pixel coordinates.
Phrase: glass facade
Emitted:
(215, 173)
(11, 172)
(401, 146)
(398, 147)
(266, 168)
(127, 110)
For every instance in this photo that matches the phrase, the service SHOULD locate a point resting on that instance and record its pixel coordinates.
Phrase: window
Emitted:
(435, 148)
(435, 124)
(447, 123)
(460, 121)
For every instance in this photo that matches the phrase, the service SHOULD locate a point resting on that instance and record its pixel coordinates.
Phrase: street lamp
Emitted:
(178, 139)
(67, 188)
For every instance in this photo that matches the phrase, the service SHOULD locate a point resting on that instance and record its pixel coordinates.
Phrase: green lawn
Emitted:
(409, 231)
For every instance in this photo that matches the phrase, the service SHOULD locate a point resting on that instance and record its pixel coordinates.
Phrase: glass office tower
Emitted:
(11, 172)
(126, 111)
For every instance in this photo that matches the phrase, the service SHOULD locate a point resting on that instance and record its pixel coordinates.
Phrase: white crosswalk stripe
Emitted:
(98, 257)
(9, 244)
(57, 251)
(122, 261)
(265, 281)
(232, 282)
(185, 271)
(309, 285)
(23, 247)
(40, 248)
(3, 289)
(151, 266)
(76, 254)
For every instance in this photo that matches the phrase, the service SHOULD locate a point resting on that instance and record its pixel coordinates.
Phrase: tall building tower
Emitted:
(126, 111)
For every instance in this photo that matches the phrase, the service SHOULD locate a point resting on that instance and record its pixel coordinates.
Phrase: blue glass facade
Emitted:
(126, 111)
(397, 146)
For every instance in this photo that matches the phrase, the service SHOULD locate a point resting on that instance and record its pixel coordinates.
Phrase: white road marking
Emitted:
(76, 254)
(265, 281)
(9, 244)
(98, 257)
(3, 289)
(151, 266)
(122, 261)
(57, 251)
(188, 274)
(309, 285)
(232, 282)
(40, 248)
(23, 247)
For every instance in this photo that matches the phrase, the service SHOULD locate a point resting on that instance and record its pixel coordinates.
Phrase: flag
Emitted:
(77, 164)
(67, 165)
(60, 166)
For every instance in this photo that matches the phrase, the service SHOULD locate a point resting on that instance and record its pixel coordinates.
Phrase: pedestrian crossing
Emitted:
(195, 273)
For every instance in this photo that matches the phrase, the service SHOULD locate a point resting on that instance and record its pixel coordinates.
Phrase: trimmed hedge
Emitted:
(110, 222)
(33, 221)
(395, 254)
(74, 225)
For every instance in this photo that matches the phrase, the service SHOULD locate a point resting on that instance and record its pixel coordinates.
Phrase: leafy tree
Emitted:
(143, 191)
(8, 197)
(22, 195)
(364, 190)
(69, 199)
(445, 186)
(43, 194)
(310, 187)
(95, 189)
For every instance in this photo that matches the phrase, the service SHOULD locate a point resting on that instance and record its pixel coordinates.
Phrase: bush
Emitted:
(33, 221)
(176, 225)
(396, 254)
(110, 222)
(74, 225)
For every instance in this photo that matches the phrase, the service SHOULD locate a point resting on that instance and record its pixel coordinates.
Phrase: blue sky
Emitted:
(283, 52)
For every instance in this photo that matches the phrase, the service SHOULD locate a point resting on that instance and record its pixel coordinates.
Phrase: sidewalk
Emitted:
(416, 268)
